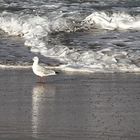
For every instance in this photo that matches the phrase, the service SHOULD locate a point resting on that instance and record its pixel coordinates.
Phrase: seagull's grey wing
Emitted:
(45, 70)
(49, 72)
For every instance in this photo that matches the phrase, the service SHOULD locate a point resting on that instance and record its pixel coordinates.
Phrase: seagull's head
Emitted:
(35, 59)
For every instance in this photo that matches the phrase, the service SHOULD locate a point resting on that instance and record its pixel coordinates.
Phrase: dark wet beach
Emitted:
(69, 107)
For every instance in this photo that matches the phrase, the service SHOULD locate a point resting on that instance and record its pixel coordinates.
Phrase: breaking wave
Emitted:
(35, 30)
(115, 21)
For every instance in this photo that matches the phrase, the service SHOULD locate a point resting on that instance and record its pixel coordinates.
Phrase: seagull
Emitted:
(41, 71)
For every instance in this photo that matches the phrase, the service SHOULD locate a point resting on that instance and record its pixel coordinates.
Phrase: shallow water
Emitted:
(69, 107)
(95, 36)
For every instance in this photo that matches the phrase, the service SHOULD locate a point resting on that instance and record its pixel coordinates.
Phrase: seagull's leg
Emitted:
(43, 79)
(39, 79)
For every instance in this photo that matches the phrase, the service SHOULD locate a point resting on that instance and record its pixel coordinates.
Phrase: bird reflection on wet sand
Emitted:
(41, 96)
(56, 111)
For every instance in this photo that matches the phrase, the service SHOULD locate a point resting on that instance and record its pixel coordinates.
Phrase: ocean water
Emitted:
(84, 35)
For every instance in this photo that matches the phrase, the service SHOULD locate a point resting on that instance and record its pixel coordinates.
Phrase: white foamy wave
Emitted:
(35, 30)
(105, 60)
(32, 28)
(119, 21)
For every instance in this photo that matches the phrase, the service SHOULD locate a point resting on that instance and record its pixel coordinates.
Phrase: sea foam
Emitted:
(35, 30)
(115, 21)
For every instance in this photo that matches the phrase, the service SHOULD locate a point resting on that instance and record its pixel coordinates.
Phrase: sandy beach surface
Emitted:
(69, 107)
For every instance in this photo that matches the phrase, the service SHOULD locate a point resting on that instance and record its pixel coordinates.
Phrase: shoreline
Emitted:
(65, 70)
(15, 67)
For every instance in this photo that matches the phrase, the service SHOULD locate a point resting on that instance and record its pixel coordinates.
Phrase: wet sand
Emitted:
(69, 107)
